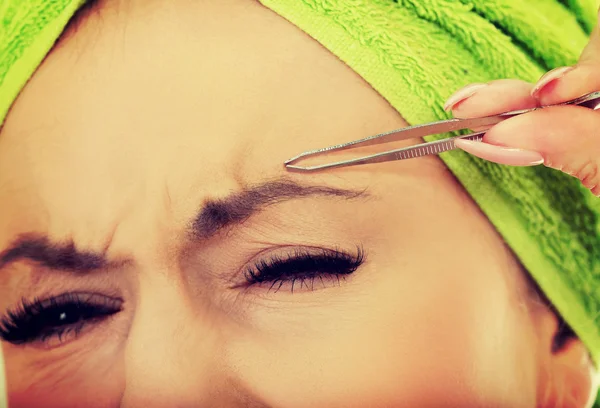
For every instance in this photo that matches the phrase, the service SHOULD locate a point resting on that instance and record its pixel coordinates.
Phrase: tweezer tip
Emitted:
(298, 168)
(297, 157)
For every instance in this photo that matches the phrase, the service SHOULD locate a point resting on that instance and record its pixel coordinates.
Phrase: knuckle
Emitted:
(589, 175)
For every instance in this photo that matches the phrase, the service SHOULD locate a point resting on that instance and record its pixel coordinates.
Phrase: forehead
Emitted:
(165, 104)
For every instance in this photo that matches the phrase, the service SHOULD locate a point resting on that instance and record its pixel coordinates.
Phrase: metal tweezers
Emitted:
(591, 101)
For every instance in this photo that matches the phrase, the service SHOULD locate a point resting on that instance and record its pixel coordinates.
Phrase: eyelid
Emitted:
(43, 284)
(87, 329)
(26, 323)
(234, 280)
(303, 267)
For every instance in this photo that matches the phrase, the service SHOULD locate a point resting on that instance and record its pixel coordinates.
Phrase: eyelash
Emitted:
(304, 267)
(44, 320)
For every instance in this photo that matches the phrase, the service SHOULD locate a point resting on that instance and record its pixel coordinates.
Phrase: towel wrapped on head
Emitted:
(416, 53)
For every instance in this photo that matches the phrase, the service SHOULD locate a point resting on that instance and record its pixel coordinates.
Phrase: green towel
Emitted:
(415, 53)
(549, 220)
(28, 30)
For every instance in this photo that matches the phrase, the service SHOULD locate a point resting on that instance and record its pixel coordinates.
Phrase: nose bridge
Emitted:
(169, 350)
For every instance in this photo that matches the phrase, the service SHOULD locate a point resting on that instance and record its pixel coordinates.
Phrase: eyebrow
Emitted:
(216, 215)
(213, 216)
(62, 256)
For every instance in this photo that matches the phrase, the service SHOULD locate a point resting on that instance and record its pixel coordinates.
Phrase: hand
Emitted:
(566, 138)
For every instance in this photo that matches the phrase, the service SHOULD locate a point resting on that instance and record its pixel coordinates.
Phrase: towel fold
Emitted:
(416, 53)
(548, 219)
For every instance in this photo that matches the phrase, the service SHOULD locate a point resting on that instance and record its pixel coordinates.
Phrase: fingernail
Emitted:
(462, 94)
(499, 154)
(549, 78)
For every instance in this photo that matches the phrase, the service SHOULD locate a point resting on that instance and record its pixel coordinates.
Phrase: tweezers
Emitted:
(591, 101)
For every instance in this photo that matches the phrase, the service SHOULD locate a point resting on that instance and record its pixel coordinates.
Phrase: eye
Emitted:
(56, 319)
(306, 269)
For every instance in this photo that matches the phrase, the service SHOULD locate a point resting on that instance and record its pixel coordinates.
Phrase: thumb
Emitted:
(563, 84)
(565, 138)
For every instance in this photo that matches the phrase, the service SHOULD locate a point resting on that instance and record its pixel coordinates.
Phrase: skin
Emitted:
(565, 138)
(149, 110)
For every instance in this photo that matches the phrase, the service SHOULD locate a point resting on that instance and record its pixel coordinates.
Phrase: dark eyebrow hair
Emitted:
(216, 215)
(212, 218)
(62, 256)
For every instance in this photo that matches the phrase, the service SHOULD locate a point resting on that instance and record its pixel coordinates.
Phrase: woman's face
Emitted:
(162, 255)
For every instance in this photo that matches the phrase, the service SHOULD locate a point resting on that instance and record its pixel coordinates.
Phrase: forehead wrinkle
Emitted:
(217, 214)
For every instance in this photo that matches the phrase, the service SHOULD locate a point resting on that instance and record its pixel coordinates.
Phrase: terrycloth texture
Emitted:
(415, 53)
(28, 30)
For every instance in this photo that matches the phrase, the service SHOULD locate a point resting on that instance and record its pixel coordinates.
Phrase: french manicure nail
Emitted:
(549, 78)
(462, 94)
(499, 154)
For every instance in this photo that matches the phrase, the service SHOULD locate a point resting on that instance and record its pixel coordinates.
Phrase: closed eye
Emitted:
(303, 268)
(56, 319)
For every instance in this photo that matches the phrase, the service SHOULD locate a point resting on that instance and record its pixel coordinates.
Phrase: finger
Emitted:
(490, 99)
(566, 138)
(569, 83)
